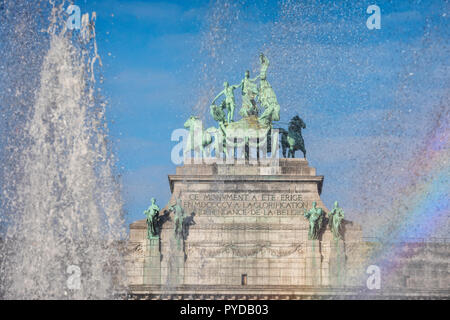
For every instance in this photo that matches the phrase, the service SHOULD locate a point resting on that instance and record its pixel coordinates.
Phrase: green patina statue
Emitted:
(197, 138)
(335, 218)
(252, 131)
(267, 96)
(152, 214)
(179, 217)
(229, 103)
(315, 216)
(249, 93)
(293, 139)
(219, 115)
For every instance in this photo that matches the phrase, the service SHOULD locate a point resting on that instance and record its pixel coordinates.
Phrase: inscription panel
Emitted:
(243, 204)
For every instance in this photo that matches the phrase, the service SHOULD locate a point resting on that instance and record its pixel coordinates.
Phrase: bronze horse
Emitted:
(293, 138)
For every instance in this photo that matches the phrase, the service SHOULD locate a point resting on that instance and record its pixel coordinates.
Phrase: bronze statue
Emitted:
(315, 217)
(219, 115)
(293, 139)
(179, 217)
(197, 138)
(152, 214)
(249, 93)
(267, 96)
(335, 218)
(229, 102)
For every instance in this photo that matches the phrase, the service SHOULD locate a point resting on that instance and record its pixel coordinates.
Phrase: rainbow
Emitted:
(423, 203)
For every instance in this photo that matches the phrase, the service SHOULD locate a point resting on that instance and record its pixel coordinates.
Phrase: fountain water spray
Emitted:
(64, 219)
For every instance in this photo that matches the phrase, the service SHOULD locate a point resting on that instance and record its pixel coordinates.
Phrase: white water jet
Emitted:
(69, 210)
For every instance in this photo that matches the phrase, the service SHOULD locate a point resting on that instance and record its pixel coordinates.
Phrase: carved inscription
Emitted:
(243, 204)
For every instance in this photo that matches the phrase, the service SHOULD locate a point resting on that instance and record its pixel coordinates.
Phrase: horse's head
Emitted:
(297, 124)
(190, 122)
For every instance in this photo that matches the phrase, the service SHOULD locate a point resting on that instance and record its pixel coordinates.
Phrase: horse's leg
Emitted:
(292, 148)
(302, 147)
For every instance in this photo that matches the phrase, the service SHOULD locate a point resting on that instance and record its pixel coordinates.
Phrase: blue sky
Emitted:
(367, 96)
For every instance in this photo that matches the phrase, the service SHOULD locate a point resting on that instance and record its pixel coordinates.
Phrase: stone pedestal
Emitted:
(173, 263)
(246, 234)
(313, 263)
(152, 262)
(337, 263)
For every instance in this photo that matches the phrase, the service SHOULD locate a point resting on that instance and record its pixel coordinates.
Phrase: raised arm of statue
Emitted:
(264, 60)
(237, 85)
(242, 85)
(218, 96)
(264, 66)
(255, 78)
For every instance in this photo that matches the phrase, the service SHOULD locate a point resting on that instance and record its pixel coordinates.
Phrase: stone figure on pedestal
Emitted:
(152, 214)
(315, 217)
(335, 220)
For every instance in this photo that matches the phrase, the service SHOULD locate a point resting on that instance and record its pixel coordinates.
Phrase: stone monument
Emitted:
(242, 222)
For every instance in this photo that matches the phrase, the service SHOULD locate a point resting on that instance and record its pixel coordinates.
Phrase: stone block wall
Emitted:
(247, 232)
